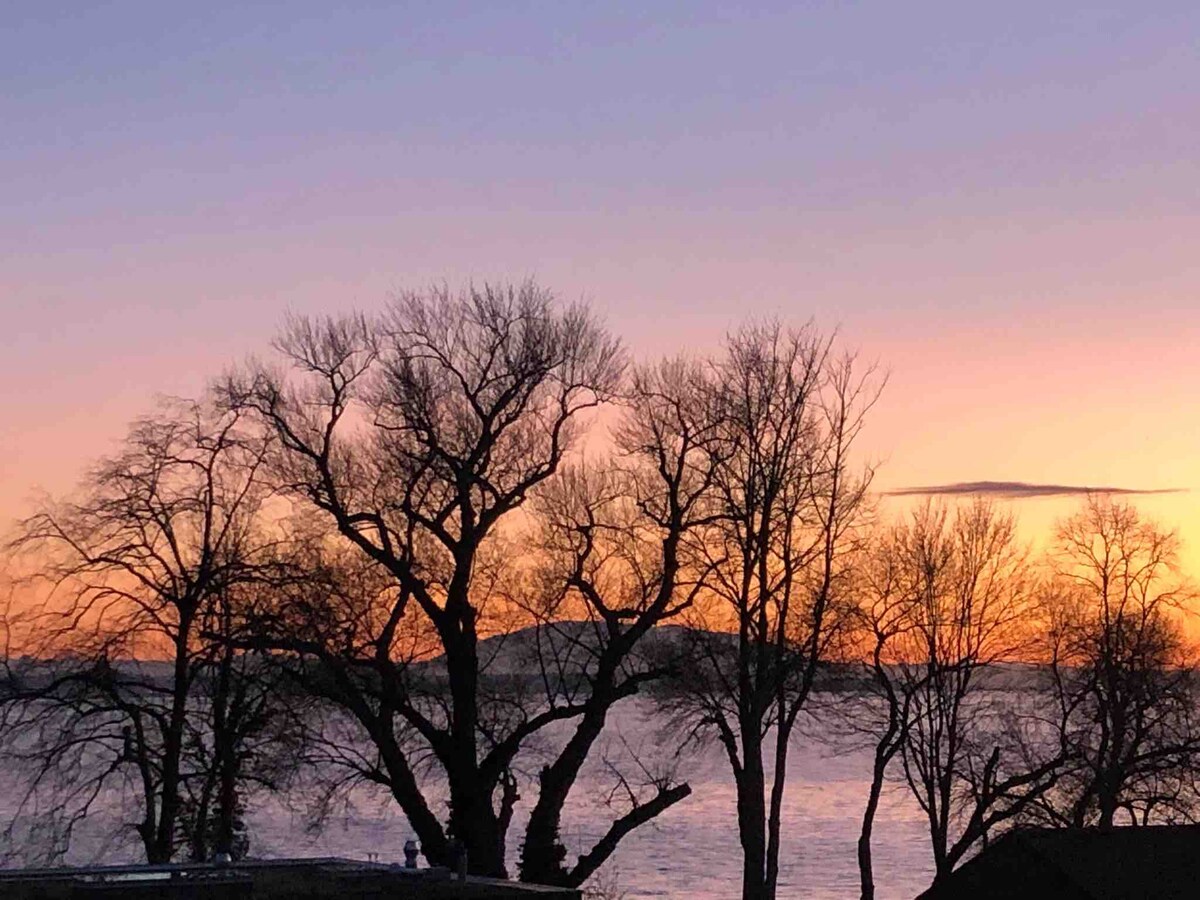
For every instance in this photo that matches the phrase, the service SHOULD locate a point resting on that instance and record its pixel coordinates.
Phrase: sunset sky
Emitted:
(999, 202)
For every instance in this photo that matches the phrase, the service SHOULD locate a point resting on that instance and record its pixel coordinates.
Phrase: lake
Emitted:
(691, 850)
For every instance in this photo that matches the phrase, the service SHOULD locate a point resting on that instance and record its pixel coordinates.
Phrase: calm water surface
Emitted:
(692, 849)
(689, 851)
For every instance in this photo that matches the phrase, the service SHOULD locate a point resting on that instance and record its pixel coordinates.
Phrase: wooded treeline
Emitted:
(431, 550)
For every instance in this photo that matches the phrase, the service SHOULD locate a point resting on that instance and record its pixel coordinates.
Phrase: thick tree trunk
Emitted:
(1108, 806)
(543, 856)
(408, 796)
(473, 820)
(474, 823)
(752, 831)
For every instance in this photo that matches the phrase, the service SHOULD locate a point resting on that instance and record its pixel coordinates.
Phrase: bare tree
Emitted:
(248, 724)
(973, 750)
(785, 512)
(104, 697)
(1123, 674)
(418, 436)
(880, 703)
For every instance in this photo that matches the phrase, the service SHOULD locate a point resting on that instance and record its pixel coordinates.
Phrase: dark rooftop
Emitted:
(343, 879)
(1150, 862)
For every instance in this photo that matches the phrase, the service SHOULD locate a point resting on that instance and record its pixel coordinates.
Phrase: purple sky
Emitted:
(998, 201)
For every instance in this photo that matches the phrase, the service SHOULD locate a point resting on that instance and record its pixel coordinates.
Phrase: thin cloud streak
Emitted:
(1018, 489)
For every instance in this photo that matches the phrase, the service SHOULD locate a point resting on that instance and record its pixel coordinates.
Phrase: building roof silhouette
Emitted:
(1150, 862)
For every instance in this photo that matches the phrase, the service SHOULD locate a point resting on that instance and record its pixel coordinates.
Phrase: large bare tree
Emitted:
(418, 436)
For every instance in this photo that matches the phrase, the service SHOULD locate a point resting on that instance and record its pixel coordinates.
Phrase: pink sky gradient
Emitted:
(998, 205)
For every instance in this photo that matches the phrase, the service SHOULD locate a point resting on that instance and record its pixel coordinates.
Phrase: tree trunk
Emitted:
(775, 813)
(226, 757)
(163, 845)
(474, 823)
(751, 809)
(1108, 806)
(543, 855)
(473, 819)
(866, 872)
(409, 798)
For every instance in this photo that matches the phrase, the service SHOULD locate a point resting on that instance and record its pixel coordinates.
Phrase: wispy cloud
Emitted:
(1017, 489)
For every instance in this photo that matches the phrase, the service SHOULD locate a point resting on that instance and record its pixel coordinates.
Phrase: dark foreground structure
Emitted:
(1148, 863)
(305, 879)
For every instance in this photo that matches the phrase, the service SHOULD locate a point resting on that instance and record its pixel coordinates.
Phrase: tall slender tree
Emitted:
(881, 709)
(787, 507)
(971, 757)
